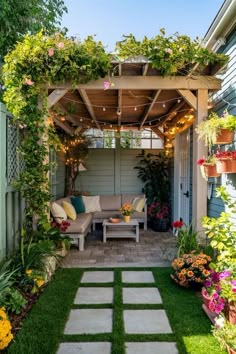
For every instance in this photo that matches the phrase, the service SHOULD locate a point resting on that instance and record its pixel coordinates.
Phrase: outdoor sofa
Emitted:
(97, 208)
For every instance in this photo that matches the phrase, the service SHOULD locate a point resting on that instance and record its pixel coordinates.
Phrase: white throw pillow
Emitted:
(58, 212)
(91, 203)
(138, 204)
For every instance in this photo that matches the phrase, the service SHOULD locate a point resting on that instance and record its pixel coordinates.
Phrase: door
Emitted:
(184, 177)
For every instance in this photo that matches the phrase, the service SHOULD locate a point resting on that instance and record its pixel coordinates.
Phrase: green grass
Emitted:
(43, 329)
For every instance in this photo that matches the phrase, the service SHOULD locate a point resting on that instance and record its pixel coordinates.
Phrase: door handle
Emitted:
(187, 194)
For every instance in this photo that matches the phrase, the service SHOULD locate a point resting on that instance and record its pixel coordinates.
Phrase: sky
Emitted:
(109, 20)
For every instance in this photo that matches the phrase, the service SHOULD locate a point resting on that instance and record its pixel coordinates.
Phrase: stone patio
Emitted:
(154, 249)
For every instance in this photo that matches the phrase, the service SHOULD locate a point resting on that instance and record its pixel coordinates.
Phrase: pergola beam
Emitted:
(119, 107)
(68, 115)
(64, 125)
(55, 96)
(157, 131)
(149, 108)
(149, 83)
(89, 107)
(189, 97)
(172, 113)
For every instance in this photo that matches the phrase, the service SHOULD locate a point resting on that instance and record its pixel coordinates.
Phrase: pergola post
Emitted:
(199, 203)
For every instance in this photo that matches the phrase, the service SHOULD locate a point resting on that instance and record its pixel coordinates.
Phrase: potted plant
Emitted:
(225, 333)
(225, 161)
(217, 130)
(208, 166)
(191, 270)
(159, 216)
(186, 237)
(127, 210)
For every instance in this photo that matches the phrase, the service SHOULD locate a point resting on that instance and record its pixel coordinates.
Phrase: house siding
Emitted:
(225, 99)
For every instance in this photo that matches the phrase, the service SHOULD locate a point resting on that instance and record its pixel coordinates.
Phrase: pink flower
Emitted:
(168, 50)
(29, 82)
(224, 274)
(60, 45)
(106, 85)
(50, 52)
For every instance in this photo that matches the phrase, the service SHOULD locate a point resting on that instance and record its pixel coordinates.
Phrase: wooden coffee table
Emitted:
(121, 229)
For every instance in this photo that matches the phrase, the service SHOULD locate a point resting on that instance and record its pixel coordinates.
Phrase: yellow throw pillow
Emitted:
(138, 204)
(70, 210)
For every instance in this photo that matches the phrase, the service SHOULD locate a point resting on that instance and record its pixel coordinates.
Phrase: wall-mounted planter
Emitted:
(225, 136)
(210, 170)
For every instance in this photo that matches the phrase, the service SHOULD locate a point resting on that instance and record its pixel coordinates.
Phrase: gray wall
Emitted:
(227, 93)
(109, 171)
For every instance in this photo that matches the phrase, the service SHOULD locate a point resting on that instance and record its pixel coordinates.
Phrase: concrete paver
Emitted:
(151, 348)
(97, 277)
(141, 296)
(85, 348)
(137, 277)
(89, 321)
(94, 296)
(146, 321)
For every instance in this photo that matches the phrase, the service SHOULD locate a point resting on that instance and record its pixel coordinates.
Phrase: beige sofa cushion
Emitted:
(129, 198)
(80, 225)
(110, 202)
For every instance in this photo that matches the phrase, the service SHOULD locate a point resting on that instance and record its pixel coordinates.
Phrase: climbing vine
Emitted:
(39, 61)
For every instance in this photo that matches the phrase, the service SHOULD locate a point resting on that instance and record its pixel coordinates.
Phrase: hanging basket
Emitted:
(224, 165)
(210, 170)
(225, 136)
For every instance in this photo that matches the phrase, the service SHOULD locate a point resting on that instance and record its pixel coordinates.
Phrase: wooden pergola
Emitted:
(139, 98)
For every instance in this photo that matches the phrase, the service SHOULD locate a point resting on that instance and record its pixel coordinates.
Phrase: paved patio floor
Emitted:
(154, 249)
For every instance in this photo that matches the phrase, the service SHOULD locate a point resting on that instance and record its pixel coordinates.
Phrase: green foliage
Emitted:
(37, 61)
(7, 275)
(153, 171)
(187, 240)
(12, 300)
(21, 17)
(221, 232)
(210, 128)
(169, 55)
(226, 335)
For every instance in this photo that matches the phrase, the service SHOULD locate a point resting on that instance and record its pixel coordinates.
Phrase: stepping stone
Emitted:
(141, 296)
(151, 348)
(146, 321)
(85, 348)
(94, 296)
(97, 277)
(89, 321)
(137, 277)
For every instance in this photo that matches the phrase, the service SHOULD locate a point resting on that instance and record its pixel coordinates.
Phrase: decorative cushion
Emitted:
(91, 203)
(138, 204)
(58, 212)
(70, 210)
(78, 204)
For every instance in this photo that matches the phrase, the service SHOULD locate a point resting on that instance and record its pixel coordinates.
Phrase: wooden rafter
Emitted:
(172, 113)
(68, 115)
(145, 69)
(158, 132)
(149, 108)
(89, 107)
(150, 83)
(189, 97)
(64, 125)
(55, 96)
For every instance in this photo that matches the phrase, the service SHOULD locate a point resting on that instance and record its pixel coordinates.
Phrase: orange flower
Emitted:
(190, 273)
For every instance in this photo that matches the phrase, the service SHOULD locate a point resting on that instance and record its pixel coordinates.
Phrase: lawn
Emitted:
(42, 331)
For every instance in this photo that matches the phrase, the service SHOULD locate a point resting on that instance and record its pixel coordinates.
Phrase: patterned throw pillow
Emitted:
(138, 204)
(78, 204)
(70, 210)
(58, 212)
(91, 203)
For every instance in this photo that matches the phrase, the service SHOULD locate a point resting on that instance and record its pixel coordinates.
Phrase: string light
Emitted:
(104, 109)
(135, 108)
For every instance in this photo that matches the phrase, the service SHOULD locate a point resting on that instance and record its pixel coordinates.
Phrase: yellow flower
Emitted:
(39, 282)
(28, 271)
(5, 330)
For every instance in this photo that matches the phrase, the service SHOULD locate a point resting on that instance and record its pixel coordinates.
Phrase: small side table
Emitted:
(121, 229)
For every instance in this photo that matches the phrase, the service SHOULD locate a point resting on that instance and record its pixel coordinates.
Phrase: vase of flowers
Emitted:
(127, 210)
(159, 215)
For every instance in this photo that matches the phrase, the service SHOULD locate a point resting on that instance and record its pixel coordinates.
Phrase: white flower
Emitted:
(219, 321)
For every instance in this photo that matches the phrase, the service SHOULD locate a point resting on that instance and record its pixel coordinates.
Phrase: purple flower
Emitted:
(224, 274)
(214, 276)
(207, 283)
(233, 283)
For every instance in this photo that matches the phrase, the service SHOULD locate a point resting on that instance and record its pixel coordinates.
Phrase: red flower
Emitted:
(177, 224)
(200, 161)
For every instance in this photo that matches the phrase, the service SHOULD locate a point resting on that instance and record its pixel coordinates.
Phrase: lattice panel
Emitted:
(12, 158)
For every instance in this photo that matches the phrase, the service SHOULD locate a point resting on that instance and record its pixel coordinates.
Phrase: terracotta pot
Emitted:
(210, 170)
(233, 163)
(224, 165)
(225, 136)
(230, 312)
(205, 297)
(127, 218)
